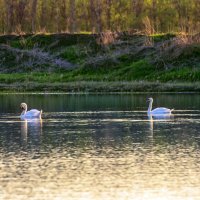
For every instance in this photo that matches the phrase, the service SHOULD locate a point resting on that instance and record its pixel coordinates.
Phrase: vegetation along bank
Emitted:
(106, 62)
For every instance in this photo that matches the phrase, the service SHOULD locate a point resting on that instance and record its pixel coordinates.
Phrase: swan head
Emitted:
(23, 106)
(150, 99)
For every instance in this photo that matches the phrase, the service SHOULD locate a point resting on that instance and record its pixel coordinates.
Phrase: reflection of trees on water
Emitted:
(31, 129)
(60, 103)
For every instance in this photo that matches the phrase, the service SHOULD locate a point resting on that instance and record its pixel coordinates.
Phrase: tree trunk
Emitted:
(108, 13)
(138, 7)
(33, 16)
(92, 16)
(9, 16)
(72, 16)
(154, 16)
(63, 16)
(99, 15)
(20, 11)
(43, 16)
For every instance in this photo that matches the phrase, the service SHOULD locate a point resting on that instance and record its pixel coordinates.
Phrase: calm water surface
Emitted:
(100, 147)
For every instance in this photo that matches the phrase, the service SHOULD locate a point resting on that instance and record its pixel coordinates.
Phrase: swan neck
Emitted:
(24, 111)
(150, 106)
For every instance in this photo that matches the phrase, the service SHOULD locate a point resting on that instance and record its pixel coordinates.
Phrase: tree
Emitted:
(154, 16)
(72, 19)
(92, 16)
(33, 15)
(98, 11)
(138, 9)
(108, 14)
(9, 15)
(98, 15)
(63, 16)
(21, 14)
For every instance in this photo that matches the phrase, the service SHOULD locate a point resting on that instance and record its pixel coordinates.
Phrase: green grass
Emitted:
(140, 70)
(75, 53)
(184, 74)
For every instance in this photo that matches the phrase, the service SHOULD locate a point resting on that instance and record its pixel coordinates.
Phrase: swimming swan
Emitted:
(158, 111)
(32, 114)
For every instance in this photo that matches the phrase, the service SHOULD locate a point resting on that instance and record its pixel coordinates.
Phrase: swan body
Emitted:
(31, 114)
(159, 110)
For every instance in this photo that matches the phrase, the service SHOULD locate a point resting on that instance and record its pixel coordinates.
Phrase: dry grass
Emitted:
(106, 38)
(35, 57)
(172, 50)
(175, 47)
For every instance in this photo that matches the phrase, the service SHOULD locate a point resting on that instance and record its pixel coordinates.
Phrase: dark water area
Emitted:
(100, 147)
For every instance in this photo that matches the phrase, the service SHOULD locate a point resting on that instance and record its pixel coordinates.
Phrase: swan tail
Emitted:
(172, 110)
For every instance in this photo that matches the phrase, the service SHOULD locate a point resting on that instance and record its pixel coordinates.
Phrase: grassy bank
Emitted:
(107, 62)
(101, 87)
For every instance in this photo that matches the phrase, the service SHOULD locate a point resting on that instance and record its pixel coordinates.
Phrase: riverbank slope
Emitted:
(107, 62)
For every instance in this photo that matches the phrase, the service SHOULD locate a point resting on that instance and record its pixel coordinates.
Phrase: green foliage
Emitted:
(22, 43)
(75, 53)
(184, 74)
(70, 54)
(139, 70)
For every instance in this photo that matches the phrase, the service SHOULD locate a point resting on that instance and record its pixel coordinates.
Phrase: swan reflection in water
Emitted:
(31, 129)
(158, 118)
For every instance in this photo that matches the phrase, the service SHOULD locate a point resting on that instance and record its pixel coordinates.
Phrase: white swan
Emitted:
(158, 111)
(32, 114)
